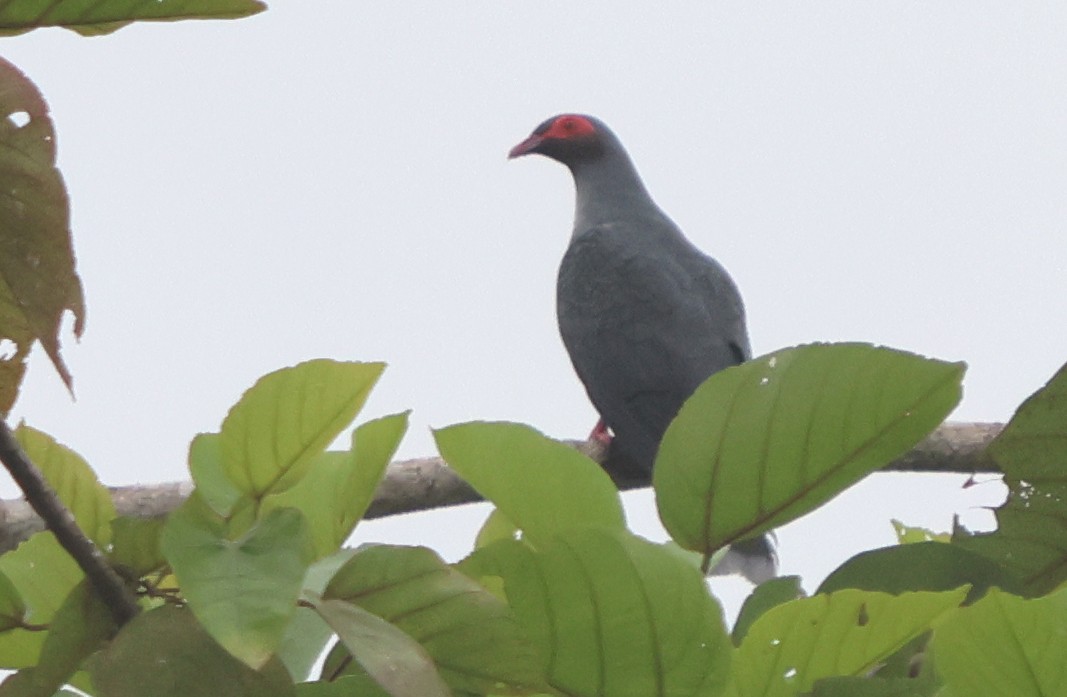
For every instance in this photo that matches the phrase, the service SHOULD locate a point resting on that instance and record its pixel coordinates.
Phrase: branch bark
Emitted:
(44, 501)
(427, 483)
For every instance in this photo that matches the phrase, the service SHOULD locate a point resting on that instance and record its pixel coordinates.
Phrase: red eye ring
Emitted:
(570, 126)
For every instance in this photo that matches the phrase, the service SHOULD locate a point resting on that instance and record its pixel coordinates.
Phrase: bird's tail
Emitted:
(755, 559)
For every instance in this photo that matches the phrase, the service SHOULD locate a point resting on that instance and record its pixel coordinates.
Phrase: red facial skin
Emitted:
(563, 127)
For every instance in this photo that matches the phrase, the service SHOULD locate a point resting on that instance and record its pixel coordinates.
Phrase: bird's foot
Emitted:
(601, 434)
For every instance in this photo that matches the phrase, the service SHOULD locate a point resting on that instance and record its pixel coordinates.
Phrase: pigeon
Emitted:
(645, 315)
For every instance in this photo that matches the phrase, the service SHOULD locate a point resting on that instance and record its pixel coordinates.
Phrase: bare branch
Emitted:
(42, 497)
(427, 483)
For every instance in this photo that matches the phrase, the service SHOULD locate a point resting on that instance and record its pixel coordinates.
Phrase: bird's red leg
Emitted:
(600, 433)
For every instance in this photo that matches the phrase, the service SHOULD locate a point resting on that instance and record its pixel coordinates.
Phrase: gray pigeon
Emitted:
(646, 316)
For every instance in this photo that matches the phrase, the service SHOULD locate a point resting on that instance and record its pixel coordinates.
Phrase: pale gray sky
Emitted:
(329, 179)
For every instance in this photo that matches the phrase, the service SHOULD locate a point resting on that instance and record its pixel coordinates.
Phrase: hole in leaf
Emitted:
(8, 349)
(790, 673)
(18, 119)
(863, 618)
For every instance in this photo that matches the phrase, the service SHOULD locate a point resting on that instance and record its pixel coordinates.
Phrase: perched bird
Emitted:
(646, 316)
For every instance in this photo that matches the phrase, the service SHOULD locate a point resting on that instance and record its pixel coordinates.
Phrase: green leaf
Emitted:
(910, 661)
(37, 279)
(472, 636)
(1033, 443)
(907, 534)
(374, 443)
(1004, 645)
(12, 607)
(872, 687)
(242, 591)
(307, 635)
(1031, 535)
(765, 442)
(73, 480)
(287, 418)
(526, 475)
(135, 544)
(340, 667)
(93, 18)
(338, 486)
(614, 614)
(346, 686)
(319, 495)
(80, 627)
(303, 642)
(845, 633)
(44, 575)
(928, 566)
(496, 527)
(767, 595)
(391, 657)
(209, 474)
(165, 653)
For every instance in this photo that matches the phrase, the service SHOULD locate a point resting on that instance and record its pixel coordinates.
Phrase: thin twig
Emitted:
(58, 518)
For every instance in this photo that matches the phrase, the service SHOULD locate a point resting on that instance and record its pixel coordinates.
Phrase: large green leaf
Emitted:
(1031, 535)
(166, 653)
(763, 443)
(79, 628)
(1004, 645)
(287, 418)
(209, 474)
(339, 486)
(243, 591)
(873, 687)
(303, 642)
(73, 481)
(345, 686)
(928, 566)
(767, 595)
(541, 485)
(43, 574)
(472, 636)
(135, 544)
(395, 660)
(496, 527)
(92, 17)
(846, 633)
(37, 279)
(12, 607)
(319, 496)
(374, 443)
(613, 614)
(307, 634)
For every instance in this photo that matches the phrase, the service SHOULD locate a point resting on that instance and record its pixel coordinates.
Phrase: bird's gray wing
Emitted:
(645, 324)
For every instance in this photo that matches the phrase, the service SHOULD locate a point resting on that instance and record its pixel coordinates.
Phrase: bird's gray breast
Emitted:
(645, 317)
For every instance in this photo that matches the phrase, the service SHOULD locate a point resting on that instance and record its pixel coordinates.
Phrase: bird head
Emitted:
(567, 138)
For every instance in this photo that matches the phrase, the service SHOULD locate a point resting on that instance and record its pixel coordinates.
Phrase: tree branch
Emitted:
(42, 497)
(427, 483)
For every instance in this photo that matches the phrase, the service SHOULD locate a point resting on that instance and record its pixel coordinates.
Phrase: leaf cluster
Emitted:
(248, 584)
